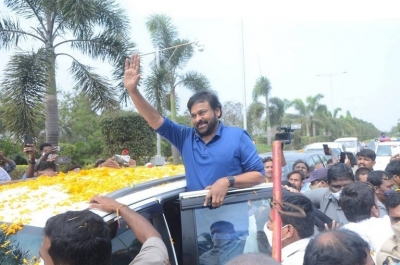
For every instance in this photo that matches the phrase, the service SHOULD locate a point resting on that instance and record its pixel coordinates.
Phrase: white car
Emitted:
(350, 143)
(319, 146)
(384, 150)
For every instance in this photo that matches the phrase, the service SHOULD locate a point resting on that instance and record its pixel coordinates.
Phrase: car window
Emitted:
(349, 144)
(230, 230)
(311, 161)
(383, 150)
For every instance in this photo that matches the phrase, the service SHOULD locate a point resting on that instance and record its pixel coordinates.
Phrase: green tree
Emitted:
(167, 74)
(232, 114)
(96, 28)
(262, 88)
(307, 110)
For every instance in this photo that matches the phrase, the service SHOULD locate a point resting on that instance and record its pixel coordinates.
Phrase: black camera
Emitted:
(286, 136)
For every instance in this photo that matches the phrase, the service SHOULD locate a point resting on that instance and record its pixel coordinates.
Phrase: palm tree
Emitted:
(307, 110)
(95, 28)
(167, 75)
(262, 88)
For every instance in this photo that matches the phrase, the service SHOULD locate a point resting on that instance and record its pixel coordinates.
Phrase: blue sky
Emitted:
(290, 42)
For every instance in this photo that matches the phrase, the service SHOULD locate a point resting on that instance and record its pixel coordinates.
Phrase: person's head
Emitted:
(383, 183)
(339, 175)
(46, 147)
(394, 168)
(205, 110)
(393, 207)
(255, 258)
(366, 158)
(267, 161)
(222, 232)
(296, 177)
(383, 135)
(361, 174)
(318, 178)
(358, 202)
(75, 238)
(293, 228)
(46, 168)
(301, 165)
(335, 247)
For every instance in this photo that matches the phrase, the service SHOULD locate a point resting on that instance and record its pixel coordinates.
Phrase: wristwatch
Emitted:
(231, 180)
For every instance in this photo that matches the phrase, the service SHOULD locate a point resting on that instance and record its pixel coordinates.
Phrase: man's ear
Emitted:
(373, 163)
(218, 112)
(374, 211)
(291, 231)
(376, 189)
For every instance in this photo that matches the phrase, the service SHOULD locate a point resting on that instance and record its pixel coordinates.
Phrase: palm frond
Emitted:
(178, 57)
(23, 92)
(155, 89)
(27, 8)
(194, 81)
(11, 33)
(262, 88)
(95, 87)
(162, 31)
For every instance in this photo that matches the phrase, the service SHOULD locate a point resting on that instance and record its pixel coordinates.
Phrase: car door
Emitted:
(216, 235)
(125, 245)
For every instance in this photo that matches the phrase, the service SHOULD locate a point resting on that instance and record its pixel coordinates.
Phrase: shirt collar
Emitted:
(298, 246)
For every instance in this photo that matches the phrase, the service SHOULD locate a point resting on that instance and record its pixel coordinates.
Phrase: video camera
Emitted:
(286, 136)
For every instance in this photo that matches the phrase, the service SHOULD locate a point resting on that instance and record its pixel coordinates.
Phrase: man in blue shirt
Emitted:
(215, 156)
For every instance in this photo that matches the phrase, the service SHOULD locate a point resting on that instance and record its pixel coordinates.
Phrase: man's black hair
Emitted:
(78, 237)
(376, 177)
(335, 247)
(303, 225)
(266, 159)
(298, 161)
(43, 145)
(296, 172)
(356, 201)
(205, 96)
(393, 200)
(361, 171)
(367, 153)
(338, 171)
(43, 165)
(393, 167)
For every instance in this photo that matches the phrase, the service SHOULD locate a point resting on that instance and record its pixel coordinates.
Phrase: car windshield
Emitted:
(388, 150)
(28, 241)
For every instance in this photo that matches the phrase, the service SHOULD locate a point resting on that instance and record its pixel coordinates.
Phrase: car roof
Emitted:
(51, 200)
(389, 143)
(319, 144)
(347, 139)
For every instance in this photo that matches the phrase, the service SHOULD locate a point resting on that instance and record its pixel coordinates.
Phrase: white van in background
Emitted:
(350, 143)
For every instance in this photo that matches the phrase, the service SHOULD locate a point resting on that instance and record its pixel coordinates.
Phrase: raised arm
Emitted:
(131, 80)
(142, 228)
(30, 150)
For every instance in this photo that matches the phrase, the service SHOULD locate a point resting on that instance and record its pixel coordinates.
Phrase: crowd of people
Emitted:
(358, 212)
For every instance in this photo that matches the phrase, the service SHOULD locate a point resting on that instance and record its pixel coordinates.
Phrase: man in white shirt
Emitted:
(296, 230)
(359, 204)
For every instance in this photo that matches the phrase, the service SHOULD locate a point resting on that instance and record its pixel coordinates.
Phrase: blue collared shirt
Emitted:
(230, 152)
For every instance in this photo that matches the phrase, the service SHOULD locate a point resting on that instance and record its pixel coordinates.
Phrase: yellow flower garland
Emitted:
(79, 187)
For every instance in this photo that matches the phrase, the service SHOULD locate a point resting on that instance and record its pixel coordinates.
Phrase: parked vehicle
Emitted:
(350, 143)
(384, 149)
(179, 217)
(311, 158)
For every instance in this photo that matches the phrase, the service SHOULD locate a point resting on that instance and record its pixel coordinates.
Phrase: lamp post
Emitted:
(200, 47)
(331, 85)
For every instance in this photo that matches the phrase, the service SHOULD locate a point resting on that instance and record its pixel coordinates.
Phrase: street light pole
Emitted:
(157, 53)
(331, 85)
